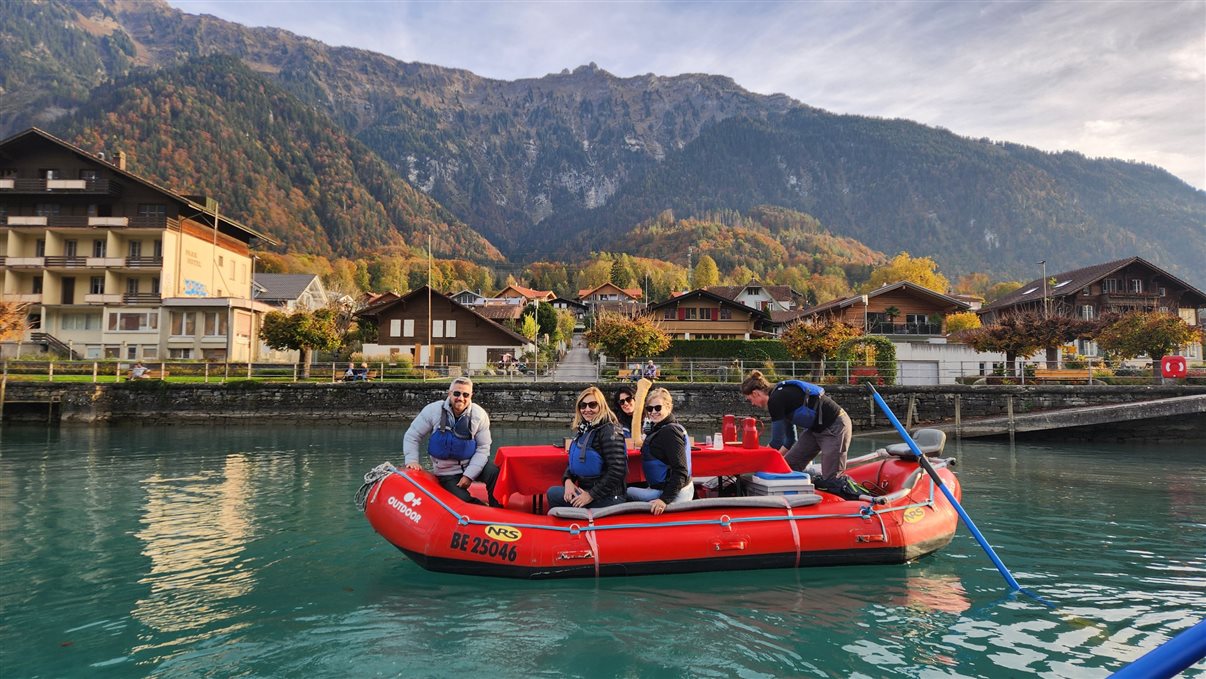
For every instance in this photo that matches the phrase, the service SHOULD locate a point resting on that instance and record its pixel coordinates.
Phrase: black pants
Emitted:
(489, 476)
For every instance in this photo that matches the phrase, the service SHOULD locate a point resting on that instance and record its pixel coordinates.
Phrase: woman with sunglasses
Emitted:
(623, 404)
(664, 456)
(598, 459)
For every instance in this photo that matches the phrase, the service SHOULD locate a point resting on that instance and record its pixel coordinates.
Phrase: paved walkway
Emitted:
(576, 366)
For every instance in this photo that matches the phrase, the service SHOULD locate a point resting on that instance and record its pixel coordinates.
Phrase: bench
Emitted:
(1065, 375)
(624, 374)
(148, 375)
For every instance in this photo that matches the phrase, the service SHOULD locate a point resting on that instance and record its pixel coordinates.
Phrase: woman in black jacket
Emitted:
(621, 405)
(665, 458)
(598, 460)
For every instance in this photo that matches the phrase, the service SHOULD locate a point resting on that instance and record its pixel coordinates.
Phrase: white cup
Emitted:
(717, 441)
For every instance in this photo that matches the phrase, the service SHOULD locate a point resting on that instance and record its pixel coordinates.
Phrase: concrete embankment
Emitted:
(1166, 411)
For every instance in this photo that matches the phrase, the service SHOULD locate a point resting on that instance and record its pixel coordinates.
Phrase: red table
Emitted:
(532, 470)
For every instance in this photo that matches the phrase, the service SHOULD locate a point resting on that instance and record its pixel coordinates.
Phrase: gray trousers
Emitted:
(832, 443)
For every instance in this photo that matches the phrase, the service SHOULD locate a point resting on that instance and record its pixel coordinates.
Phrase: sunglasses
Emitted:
(465, 394)
(588, 405)
(622, 400)
(654, 409)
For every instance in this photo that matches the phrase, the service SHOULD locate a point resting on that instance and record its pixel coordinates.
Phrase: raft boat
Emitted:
(907, 518)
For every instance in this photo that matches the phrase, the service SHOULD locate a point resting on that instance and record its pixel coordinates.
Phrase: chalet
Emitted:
(112, 265)
(1131, 284)
(457, 334)
(700, 314)
(768, 298)
(467, 297)
(529, 295)
(578, 309)
(902, 308)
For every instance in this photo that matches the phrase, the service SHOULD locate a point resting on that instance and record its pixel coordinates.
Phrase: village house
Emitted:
(768, 298)
(700, 314)
(611, 297)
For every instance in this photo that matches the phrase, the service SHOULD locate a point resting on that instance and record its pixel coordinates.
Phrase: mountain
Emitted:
(588, 156)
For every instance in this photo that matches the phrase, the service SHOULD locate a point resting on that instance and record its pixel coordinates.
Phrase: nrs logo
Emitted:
(405, 509)
(503, 533)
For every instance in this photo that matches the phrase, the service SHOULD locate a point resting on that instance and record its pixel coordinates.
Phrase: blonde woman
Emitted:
(598, 460)
(664, 456)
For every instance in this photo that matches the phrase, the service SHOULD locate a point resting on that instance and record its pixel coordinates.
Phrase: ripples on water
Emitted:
(237, 552)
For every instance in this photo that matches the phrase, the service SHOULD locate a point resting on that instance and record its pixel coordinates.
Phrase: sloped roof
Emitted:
(374, 311)
(705, 294)
(844, 302)
(500, 312)
(782, 293)
(283, 286)
(634, 293)
(1071, 282)
(528, 293)
(225, 224)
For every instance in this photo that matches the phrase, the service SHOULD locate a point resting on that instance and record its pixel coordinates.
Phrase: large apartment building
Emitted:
(111, 265)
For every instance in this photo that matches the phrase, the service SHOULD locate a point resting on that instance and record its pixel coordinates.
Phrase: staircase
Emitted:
(54, 344)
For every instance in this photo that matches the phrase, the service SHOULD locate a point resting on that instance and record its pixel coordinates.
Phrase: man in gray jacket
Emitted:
(459, 442)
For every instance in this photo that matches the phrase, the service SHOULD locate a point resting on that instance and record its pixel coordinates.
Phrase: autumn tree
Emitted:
(303, 331)
(817, 340)
(546, 318)
(961, 321)
(566, 322)
(706, 274)
(14, 320)
(1007, 336)
(920, 270)
(618, 335)
(1001, 289)
(1147, 333)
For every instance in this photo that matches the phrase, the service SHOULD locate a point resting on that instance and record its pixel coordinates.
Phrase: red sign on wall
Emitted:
(1174, 366)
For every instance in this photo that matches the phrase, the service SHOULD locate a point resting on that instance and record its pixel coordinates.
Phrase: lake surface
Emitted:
(237, 551)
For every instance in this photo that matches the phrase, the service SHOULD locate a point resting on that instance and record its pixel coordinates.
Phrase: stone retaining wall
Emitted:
(703, 404)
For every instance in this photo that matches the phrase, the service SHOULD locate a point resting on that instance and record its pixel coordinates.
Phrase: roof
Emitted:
(783, 293)
(634, 293)
(283, 286)
(529, 293)
(568, 302)
(422, 291)
(200, 210)
(844, 302)
(705, 294)
(504, 312)
(1069, 282)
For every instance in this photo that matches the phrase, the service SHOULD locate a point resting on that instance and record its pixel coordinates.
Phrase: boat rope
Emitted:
(370, 479)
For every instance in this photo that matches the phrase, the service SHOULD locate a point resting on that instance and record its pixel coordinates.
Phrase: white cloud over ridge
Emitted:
(1107, 79)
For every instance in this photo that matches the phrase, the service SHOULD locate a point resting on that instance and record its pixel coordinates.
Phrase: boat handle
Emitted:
(721, 546)
(877, 537)
(581, 554)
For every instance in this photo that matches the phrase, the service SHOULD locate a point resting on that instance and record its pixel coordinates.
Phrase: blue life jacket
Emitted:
(655, 470)
(584, 461)
(452, 440)
(806, 415)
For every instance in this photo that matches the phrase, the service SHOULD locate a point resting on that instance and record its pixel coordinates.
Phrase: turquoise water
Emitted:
(228, 551)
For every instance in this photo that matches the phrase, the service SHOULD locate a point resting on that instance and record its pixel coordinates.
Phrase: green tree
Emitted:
(565, 325)
(1151, 333)
(706, 273)
(528, 327)
(303, 331)
(620, 336)
(920, 270)
(817, 340)
(546, 318)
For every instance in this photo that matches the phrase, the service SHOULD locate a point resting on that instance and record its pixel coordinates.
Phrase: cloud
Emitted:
(1116, 79)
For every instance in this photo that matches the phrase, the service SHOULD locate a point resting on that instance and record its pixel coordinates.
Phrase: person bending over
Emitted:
(459, 442)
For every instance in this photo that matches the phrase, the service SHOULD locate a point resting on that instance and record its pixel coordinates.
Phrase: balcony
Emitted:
(141, 298)
(60, 262)
(103, 262)
(102, 187)
(24, 297)
(905, 329)
(85, 222)
(144, 262)
(25, 262)
(102, 299)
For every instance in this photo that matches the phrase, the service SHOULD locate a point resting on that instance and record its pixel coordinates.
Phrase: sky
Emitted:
(1107, 79)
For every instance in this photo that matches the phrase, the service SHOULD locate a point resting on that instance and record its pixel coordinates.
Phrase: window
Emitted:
(184, 324)
(37, 285)
(71, 248)
(915, 318)
(1109, 285)
(47, 209)
(215, 324)
(242, 327)
(152, 210)
(408, 327)
(395, 327)
(40, 248)
(157, 248)
(668, 314)
(48, 173)
(98, 248)
(1135, 286)
(81, 322)
(97, 285)
(132, 351)
(181, 354)
(437, 328)
(726, 314)
(150, 351)
(155, 285)
(1086, 312)
(1164, 292)
(135, 249)
(129, 321)
(132, 286)
(692, 314)
(89, 175)
(705, 314)
(450, 328)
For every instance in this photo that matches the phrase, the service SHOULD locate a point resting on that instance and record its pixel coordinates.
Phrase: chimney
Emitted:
(119, 159)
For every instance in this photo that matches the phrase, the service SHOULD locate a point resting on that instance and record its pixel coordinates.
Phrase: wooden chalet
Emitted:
(901, 308)
(700, 314)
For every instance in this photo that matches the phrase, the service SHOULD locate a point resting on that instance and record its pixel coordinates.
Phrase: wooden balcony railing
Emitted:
(105, 187)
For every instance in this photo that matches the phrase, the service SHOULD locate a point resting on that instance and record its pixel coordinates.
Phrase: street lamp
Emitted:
(1044, 263)
(864, 298)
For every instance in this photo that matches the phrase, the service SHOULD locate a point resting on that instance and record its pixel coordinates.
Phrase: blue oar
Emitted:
(929, 469)
(1170, 658)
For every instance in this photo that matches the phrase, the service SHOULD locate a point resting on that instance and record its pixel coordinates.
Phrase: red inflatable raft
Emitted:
(908, 519)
